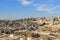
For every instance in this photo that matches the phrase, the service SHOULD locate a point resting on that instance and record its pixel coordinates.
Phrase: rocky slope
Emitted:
(44, 28)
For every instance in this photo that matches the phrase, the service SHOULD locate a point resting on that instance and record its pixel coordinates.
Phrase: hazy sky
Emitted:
(26, 8)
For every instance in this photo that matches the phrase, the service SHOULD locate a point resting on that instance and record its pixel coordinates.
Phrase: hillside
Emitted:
(43, 28)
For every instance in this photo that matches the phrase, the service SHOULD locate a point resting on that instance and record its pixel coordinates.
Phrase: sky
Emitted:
(26, 8)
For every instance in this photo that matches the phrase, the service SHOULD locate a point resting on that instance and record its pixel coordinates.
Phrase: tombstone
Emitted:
(21, 38)
(29, 38)
(57, 39)
(32, 27)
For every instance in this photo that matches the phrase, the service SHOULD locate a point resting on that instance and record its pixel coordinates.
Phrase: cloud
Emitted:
(51, 0)
(26, 2)
(44, 8)
(41, 7)
(47, 9)
(56, 7)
